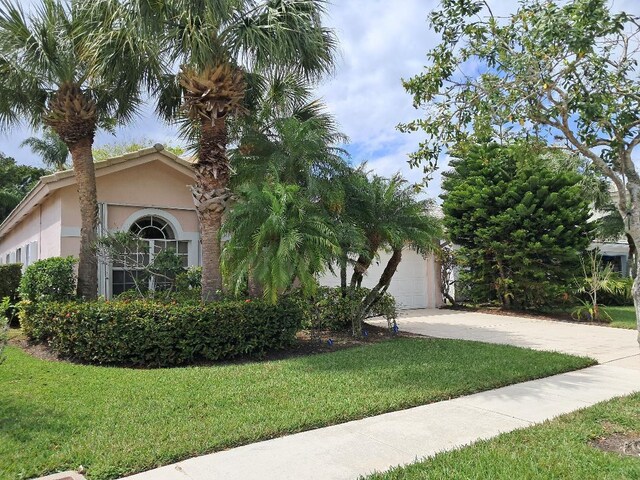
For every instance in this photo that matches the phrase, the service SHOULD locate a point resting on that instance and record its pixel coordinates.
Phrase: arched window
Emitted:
(152, 228)
(158, 235)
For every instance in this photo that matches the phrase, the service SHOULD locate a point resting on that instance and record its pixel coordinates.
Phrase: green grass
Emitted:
(622, 317)
(56, 416)
(558, 449)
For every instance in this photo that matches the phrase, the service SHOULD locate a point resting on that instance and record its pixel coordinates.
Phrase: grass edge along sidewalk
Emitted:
(58, 416)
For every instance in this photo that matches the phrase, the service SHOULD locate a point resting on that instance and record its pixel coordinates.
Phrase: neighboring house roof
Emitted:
(50, 183)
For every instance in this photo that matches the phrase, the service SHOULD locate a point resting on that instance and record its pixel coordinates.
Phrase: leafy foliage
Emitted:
(10, 275)
(520, 224)
(127, 250)
(390, 215)
(561, 70)
(15, 182)
(53, 152)
(596, 278)
(5, 305)
(160, 334)
(330, 309)
(51, 279)
(277, 236)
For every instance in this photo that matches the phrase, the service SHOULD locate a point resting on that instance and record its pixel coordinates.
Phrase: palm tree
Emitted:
(391, 217)
(278, 236)
(51, 149)
(221, 47)
(53, 74)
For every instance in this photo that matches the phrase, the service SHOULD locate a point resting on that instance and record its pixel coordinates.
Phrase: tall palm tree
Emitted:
(53, 152)
(53, 75)
(220, 47)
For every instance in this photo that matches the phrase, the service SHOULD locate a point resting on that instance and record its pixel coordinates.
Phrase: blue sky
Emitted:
(381, 42)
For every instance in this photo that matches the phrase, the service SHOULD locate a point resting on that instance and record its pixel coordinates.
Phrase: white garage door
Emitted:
(414, 285)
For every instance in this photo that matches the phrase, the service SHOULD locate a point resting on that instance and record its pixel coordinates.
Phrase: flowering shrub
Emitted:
(160, 334)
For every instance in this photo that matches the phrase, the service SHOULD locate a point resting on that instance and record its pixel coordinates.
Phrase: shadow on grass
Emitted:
(23, 422)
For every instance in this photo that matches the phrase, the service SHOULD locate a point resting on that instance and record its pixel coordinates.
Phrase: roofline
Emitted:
(44, 181)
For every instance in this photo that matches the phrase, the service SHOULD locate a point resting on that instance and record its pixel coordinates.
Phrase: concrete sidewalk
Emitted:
(357, 448)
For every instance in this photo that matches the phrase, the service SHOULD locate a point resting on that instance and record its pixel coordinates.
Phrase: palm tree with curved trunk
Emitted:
(391, 217)
(224, 48)
(53, 75)
(53, 152)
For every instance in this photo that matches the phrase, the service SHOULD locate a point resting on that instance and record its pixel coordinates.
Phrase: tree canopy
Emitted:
(15, 182)
(563, 71)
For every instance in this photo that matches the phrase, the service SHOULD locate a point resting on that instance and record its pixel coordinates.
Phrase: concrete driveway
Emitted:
(601, 343)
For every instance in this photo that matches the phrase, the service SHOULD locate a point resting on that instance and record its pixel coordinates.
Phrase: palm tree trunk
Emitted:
(378, 291)
(363, 263)
(84, 170)
(343, 275)
(210, 196)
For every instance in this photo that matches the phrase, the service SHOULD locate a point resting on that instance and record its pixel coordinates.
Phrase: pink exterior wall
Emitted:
(41, 228)
(152, 185)
(126, 190)
(118, 215)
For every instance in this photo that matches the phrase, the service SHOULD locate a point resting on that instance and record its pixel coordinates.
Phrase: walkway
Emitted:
(356, 448)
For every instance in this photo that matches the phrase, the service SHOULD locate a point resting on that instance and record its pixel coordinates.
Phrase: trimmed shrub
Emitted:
(49, 280)
(155, 334)
(10, 276)
(328, 309)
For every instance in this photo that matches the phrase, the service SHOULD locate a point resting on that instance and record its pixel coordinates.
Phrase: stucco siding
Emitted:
(40, 229)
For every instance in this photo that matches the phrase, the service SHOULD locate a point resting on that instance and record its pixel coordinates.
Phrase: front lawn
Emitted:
(559, 449)
(114, 421)
(622, 317)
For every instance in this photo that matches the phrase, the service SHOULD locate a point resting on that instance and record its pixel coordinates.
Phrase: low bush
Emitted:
(49, 280)
(4, 325)
(621, 296)
(329, 309)
(160, 334)
(10, 276)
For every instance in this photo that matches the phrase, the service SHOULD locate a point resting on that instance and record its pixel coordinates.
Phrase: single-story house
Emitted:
(147, 192)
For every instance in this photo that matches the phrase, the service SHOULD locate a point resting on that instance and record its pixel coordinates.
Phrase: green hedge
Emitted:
(155, 334)
(10, 276)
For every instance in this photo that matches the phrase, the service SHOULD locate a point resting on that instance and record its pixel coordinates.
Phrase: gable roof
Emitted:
(50, 183)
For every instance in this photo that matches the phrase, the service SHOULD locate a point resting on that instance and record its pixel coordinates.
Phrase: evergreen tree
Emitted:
(521, 223)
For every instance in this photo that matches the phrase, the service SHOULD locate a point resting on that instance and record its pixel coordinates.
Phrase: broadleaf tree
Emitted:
(15, 182)
(564, 71)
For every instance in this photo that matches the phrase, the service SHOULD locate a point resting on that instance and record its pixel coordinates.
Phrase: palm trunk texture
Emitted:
(211, 195)
(73, 116)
